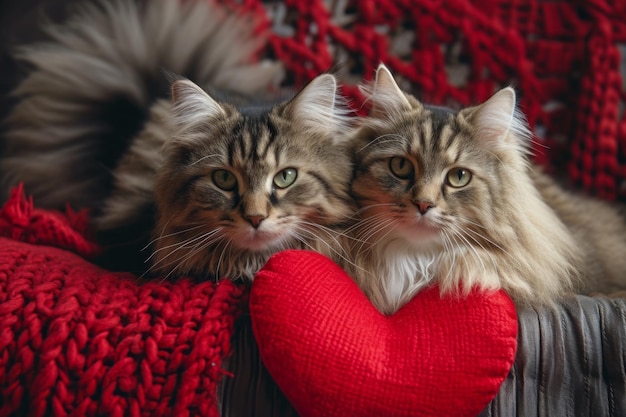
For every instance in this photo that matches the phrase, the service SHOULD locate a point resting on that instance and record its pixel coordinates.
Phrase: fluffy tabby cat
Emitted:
(451, 197)
(226, 185)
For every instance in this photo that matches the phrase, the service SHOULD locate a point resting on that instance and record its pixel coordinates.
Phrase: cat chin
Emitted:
(259, 247)
(419, 232)
(258, 241)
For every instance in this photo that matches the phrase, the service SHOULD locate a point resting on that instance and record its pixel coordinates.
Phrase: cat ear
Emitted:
(320, 107)
(192, 103)
(498, 122)
(386, 97)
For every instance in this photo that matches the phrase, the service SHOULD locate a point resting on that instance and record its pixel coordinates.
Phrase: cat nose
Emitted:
(423, 206)
(255, 219)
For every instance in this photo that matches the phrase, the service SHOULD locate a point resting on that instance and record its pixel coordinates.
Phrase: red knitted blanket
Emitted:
(78, 340)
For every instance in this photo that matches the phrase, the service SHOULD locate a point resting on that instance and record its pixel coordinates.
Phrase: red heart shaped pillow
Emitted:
(333, 354)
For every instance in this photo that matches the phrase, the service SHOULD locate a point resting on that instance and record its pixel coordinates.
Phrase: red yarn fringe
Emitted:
(20, 220)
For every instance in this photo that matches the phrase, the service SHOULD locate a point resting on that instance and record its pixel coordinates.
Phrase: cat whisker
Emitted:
(479, 235)
(166, 225)
(495, 156)
(364, 222)
(339, 253)
(382, 225)
(334, 234)
(488, 253)
(513, 258)
(198, 247)
(156, 239)
(485, 238)
(475, 235)
(371, 206)
(203, 245)
(206, 157)
(457, 233)
(296, 234)
(227, 248)
(468, 221)
(397, 137)
(184, 243)
(202, 240)
(367, 223)
(449, 247)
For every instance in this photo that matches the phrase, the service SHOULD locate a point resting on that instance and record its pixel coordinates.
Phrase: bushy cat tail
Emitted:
(92, 83)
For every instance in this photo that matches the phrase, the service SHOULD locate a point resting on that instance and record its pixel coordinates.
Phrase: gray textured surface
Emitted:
(570, 362)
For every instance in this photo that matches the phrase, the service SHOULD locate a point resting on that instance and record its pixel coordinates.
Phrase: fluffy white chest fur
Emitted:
(393, 271)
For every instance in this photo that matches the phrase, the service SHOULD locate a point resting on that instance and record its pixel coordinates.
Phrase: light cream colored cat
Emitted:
(451, 198)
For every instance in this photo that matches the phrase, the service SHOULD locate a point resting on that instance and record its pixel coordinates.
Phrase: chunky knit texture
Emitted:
(78, 340)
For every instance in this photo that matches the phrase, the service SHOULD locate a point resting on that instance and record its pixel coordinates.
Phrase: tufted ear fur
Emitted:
(387, 98)
(192, 104)
(320, 107)
(498, 122)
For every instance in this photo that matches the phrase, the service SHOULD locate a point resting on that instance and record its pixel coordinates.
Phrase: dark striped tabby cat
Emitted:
(240, 184)
(221, 187)
(451, 198)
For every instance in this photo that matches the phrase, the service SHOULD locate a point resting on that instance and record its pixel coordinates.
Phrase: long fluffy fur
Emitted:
(91, 87)
(514, 228)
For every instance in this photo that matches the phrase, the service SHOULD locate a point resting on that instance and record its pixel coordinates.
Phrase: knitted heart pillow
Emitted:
(333, 354)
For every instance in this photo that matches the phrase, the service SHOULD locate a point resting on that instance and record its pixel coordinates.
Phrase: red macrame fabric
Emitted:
(565, 58)
(76, 340)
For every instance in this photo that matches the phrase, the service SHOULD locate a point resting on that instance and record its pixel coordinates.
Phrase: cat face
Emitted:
(448, 197)
(434, 177)
(241, 184)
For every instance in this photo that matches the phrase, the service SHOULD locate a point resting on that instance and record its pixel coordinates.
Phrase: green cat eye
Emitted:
(401, 167)
(224, 179)
(285, 178)
(458, 177)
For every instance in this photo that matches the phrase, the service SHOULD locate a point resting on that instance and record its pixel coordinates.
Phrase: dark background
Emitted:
(20, 23)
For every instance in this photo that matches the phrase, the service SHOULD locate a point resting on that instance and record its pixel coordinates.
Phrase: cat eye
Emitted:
(224, 179)
(458, 177)
(285, 178)
(401, 167)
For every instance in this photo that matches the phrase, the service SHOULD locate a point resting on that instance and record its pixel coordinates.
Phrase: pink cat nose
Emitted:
(255, 220)
(423, 206)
